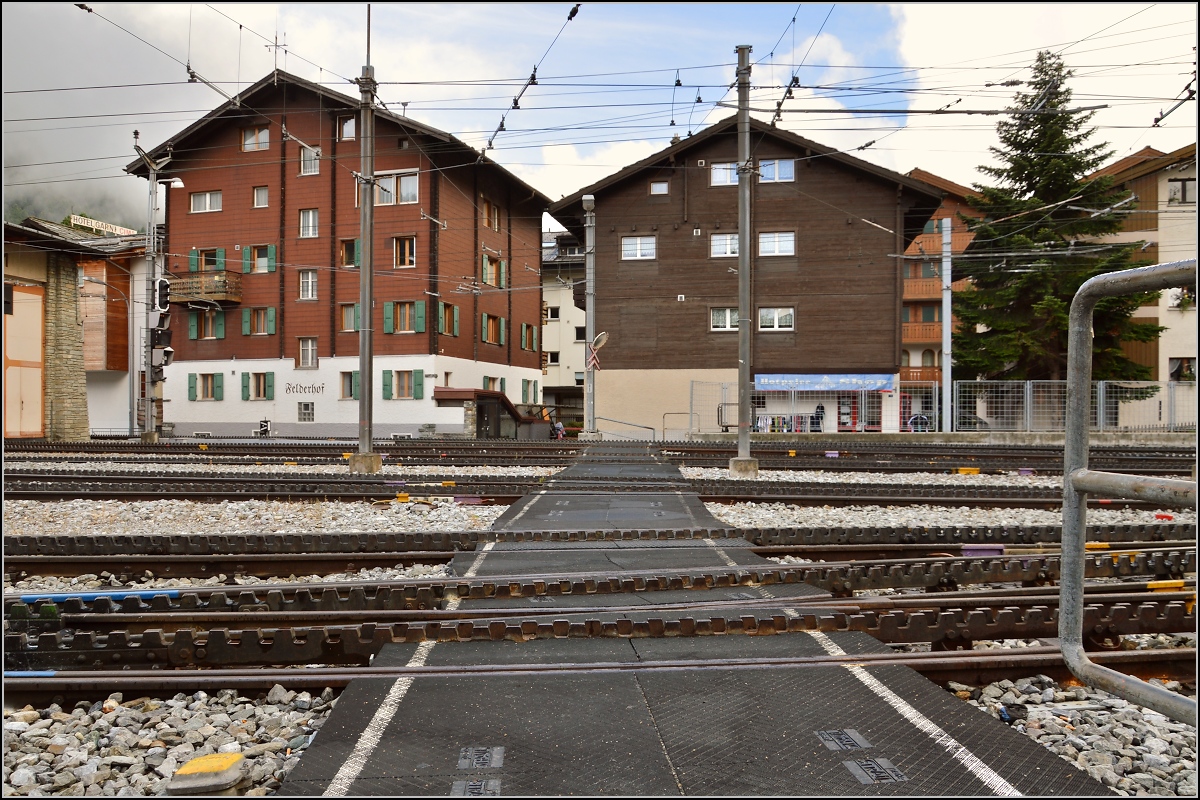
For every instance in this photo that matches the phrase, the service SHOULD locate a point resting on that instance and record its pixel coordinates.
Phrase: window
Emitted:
(408, 187)
(207, 321)
(579, 379)
(723, 245)
(404, 317)
(258, 321)
(385, 190)
(405, 251)
(905, 358)
(349, 316)
(258, 385)
(927, 358)
(308, 284)
(308, 352)
(493, 270)
(660, 187)
(529, 337)
(492, 329)
(309, 161)
(581, 333)
(931, 313)
(724, 174)
(448, 319)
(552, 312)
(260, 197)
(346, 129)
(349, 253)
(777, 244)
(637, 247)
(308, 223)
(203, 202)
(261, 256)
(306, 412)
(723, 319)
(776, 319)
(1181, 190)
(776, 170)
(552, 357)
(206, 386)
(349, 385)
(1181, 369)
(255, 138)
(403, 384)
(491, 215)
(210, 260)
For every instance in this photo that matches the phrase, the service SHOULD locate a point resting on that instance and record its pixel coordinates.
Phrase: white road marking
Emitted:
(369, 739)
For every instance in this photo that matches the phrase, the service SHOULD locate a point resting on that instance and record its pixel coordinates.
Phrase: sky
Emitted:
(614, 83)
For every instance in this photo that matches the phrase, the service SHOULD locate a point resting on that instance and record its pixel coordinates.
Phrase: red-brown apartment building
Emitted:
(263, 256)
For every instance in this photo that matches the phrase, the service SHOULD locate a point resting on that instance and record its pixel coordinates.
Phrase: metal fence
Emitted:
(1008, 406)
(1030, 406)
(912, 409)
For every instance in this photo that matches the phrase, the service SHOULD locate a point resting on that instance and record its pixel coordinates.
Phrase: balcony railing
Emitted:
(931, 374)
(922, 288)
(915, 331)
(215, 286)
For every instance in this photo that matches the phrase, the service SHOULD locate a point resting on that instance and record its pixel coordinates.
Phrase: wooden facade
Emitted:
(284, 217)
(848, 221)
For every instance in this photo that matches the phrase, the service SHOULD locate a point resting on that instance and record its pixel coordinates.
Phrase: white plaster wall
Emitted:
(1176, 242)
(642, 396)
(108, 400)
(559, 335)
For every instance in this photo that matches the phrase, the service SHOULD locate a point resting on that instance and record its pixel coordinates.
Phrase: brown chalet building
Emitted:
(828, 232)
(261, 248)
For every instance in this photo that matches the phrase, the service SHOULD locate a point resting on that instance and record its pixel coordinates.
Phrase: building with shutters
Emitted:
(262, 250)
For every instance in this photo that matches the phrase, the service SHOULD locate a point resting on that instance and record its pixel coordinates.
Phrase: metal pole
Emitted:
(148, 431)
(743, 465)
(947, 422)
(589, 260)
(367, 262)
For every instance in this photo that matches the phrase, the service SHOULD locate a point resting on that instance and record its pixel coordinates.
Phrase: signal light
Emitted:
(162, 295)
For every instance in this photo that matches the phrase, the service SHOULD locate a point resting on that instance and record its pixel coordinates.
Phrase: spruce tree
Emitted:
(1033, 247)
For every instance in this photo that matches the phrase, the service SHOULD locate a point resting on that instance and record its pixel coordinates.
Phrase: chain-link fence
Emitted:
(1016, 406)
(912, 409)
(1030, 406)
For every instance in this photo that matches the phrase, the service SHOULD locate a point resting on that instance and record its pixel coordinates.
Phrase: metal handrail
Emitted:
(1078, 480)
(632, 425)
(688, 414)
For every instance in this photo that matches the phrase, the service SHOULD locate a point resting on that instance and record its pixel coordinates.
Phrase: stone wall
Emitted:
(66, 412)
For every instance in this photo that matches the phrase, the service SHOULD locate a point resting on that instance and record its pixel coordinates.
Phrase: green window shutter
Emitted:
(245, 385)
(483, 327)
(354, 394)
(502, 386)
(247, 259)
(524, 391)
(441, 317)
(503, 274)
(419, 316)
(524, 333)
(534, 399)
(356, 322)
(219, 324)
(220, 258)
(193, 325)
(418, 383)
(270, 385)
(456, 320)
(194, 261)
(502, 330)
(389, 320)
(191, 385)
(483, 266)
(270, 260)
(535, 343)
(387, 384)
(271, 319)
(218, 386)
(358, 252)
(486, 381)
(246, 321)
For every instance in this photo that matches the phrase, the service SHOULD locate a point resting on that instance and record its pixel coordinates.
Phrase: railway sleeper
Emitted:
(357, 644)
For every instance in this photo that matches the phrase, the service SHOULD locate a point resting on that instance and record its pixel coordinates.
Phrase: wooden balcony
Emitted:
(911, 332)
(222, 285)
(921, 374)
(923, 289)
